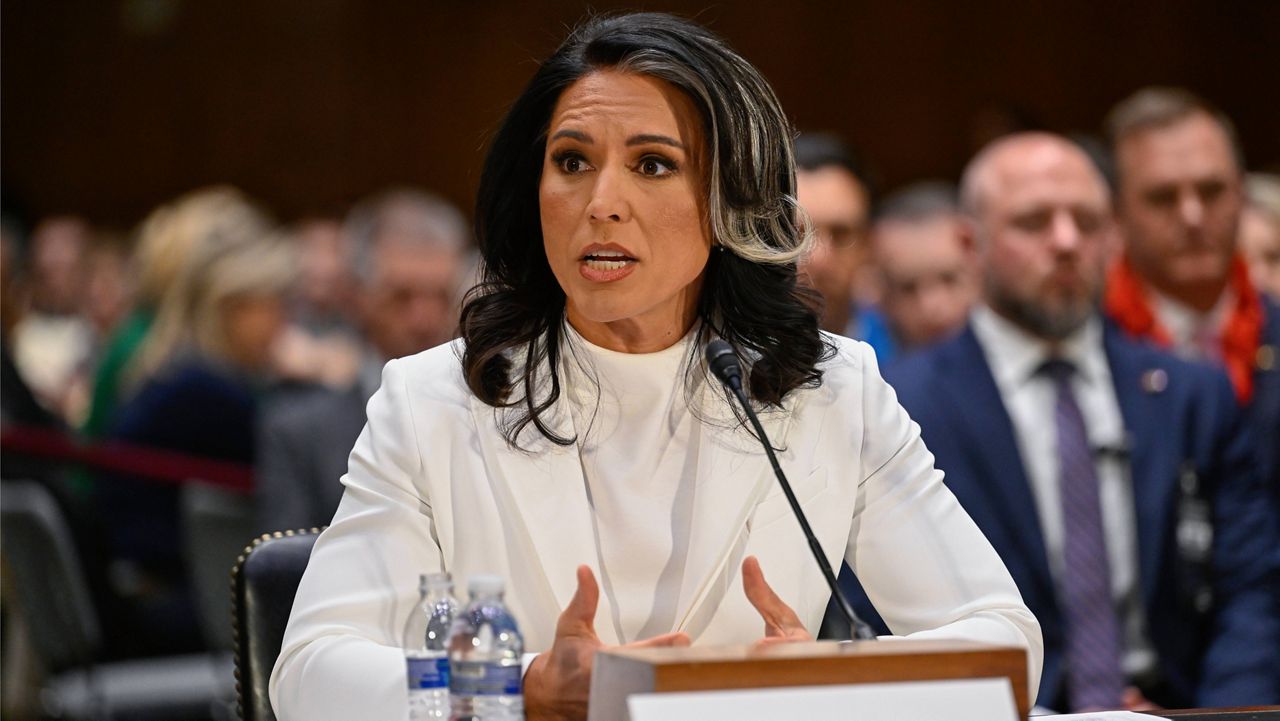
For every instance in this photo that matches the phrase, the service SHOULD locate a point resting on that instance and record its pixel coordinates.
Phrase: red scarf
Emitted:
(1127, 304)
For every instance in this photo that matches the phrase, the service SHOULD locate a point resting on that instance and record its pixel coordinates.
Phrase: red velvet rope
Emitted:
(151, 463)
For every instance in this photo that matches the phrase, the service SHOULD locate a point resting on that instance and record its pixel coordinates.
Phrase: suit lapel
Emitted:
(733, 475)
(542, 499)
(1141, 391)
(974, 399)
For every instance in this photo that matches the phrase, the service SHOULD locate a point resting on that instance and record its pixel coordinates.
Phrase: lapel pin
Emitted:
(1155, 380)
(1266, 358)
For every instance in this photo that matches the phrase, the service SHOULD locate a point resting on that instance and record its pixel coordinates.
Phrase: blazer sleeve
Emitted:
(341, 656)
(921, 559)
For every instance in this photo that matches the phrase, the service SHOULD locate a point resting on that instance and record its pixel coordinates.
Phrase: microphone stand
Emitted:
(724, 364)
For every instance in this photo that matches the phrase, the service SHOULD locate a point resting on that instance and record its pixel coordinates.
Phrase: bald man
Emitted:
(1096, 466)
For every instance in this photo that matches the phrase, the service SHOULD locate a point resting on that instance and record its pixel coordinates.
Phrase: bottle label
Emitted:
(428, 672)
(486, 679)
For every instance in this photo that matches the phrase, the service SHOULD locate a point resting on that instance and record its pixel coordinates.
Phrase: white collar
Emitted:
(1185, 323)
(1015, 355)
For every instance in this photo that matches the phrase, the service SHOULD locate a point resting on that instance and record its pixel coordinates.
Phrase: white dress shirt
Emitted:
(1195, 335)
(1014, 357)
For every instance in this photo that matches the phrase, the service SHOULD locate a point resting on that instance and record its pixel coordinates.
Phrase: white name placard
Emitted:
(985, 699)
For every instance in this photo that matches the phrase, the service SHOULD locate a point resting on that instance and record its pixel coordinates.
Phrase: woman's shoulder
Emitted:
(848, 362)
(433, 375)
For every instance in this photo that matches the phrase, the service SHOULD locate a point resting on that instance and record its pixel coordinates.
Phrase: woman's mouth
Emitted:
(606, 265)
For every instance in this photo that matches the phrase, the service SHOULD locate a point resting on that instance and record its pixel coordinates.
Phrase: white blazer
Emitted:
(433, 485)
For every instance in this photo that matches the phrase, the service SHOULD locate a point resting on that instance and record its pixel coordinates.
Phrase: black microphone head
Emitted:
(723, 363)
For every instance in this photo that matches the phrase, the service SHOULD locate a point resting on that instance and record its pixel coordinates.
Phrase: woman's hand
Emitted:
(558, 681)
(781, 624)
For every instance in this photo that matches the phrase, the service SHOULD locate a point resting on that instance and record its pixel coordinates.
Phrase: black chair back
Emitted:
(264, 582)
(49, 581)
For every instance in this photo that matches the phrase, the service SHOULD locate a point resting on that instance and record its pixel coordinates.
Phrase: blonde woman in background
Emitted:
(199, 373)
(164, 244)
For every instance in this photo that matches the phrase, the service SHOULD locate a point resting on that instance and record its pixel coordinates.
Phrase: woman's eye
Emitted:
(570, 163)
(656, 167)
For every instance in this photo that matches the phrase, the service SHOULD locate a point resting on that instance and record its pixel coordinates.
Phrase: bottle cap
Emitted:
(437, 580)
(485, 584)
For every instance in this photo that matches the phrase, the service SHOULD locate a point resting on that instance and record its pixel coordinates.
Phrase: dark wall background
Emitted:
(112, 106)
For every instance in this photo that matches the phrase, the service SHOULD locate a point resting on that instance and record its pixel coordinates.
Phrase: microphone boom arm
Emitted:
(724, 365)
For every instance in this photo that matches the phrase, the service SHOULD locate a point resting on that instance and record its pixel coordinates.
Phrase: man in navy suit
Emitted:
(1181, 281)
(1115, 480)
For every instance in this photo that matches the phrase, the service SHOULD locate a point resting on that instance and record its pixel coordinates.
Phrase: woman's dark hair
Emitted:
(511, 320)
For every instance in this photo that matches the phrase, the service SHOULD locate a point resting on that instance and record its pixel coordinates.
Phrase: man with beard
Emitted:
(1096, 466)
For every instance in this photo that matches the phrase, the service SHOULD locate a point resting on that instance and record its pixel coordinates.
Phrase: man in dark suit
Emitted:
(1181, 281)
(407, 253)
(1115, 481)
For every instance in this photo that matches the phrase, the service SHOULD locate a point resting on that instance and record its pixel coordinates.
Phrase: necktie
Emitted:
(1094, 678)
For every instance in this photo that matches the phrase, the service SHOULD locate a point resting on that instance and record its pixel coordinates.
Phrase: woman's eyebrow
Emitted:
(647, 138)
(573, 135)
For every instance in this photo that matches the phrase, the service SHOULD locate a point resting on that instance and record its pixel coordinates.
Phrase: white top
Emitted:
(434, 485)
(636, 439)
(1014, 356)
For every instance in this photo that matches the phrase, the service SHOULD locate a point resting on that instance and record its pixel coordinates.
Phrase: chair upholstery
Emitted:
(50, 591)
(264, 581)
(216, 525)
(49, 580)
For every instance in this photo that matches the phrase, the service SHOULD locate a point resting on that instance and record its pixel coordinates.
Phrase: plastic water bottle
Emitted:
(485, 649)
(426, 653)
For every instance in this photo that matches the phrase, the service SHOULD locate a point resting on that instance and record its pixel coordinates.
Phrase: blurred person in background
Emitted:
(1181, 281)
(164, 243)
(200, 371)
(1260, 232)
(406, 250)
(52, 340)
(322, 343)
(1093, 462)
(925, 265)
(107, 299)
(834, 190)
(326, 286)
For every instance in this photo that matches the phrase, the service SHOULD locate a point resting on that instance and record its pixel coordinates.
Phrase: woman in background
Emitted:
(202, 365)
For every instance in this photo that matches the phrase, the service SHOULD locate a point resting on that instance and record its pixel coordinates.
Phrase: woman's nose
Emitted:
(608, 199)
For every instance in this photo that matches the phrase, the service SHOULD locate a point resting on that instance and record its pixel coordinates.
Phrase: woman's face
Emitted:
(623, 209)
(252, 321)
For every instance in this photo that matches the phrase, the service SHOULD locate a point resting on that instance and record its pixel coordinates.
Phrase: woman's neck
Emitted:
(633, 335)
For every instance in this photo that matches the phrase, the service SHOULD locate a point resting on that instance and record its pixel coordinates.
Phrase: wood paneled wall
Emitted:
(112, 106)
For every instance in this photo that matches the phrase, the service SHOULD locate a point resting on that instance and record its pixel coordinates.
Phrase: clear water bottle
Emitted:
(426, 650)
(485, 648)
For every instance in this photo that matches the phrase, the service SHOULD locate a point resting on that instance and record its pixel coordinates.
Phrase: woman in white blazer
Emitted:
(637, 201)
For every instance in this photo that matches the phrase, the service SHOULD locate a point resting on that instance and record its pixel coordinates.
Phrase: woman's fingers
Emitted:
(678, 638)
(779, 619)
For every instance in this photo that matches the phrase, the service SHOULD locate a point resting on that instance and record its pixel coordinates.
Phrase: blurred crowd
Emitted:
(215, 332)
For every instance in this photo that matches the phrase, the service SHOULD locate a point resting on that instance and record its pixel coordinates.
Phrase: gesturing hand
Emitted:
(781, 624)
(558, 681)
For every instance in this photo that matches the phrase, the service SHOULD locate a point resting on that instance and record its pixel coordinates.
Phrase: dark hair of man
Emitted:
(815, 151)
(1153, 108)
(511, 320)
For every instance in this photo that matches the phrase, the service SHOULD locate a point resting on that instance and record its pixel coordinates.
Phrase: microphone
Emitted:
(724, 364)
